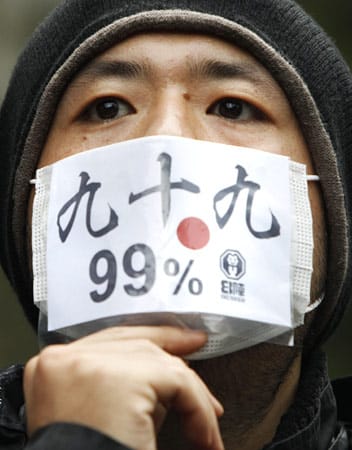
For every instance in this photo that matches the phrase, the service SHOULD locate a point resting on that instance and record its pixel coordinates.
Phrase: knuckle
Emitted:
(121, 332)
(52, 353)
(29, 369)
(146, 346)
(30, 365)
(179, 364)
(116, 332)
(50, 358)
(180, 370)
(60, 361)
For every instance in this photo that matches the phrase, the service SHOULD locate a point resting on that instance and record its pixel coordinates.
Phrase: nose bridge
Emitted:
(171, 114)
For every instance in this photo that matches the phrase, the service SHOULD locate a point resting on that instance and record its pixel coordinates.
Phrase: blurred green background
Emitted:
(17, 20)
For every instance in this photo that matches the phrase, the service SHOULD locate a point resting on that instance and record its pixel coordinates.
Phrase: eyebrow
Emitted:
(213, 69)
(112, 69)
(203, 69)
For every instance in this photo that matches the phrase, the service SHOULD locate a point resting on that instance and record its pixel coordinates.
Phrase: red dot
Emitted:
(193, 233)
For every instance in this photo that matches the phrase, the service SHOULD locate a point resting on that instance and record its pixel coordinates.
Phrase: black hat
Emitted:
(294, 49)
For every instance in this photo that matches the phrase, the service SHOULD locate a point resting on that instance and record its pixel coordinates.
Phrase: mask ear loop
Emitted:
(317, 302)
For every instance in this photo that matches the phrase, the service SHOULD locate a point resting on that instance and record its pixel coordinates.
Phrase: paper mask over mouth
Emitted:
(178, 231)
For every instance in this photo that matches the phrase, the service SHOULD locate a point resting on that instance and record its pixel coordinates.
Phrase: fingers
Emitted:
(189, 396)
(176, 341)
(122, 382)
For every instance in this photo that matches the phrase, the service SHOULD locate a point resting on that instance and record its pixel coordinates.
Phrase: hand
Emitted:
(122, 381)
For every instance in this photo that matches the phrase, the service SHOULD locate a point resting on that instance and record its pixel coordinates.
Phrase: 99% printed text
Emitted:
(138, 261)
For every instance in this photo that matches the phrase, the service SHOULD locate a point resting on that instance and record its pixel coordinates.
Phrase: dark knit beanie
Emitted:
(278, 33)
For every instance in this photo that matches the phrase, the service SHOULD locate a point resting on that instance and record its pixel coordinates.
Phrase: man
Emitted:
(252, 74)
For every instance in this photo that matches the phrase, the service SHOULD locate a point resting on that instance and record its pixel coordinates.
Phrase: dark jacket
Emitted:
(320, 418)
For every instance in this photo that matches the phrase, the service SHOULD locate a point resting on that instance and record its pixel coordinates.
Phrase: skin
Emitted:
(139, 88)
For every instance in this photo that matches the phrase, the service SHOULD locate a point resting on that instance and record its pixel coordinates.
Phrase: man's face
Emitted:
(193, 86)
(203, 88)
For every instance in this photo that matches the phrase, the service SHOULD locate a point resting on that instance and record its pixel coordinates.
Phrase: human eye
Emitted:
(106, 109)
(235, 109)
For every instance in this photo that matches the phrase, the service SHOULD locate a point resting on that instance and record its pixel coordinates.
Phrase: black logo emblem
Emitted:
(233, 264)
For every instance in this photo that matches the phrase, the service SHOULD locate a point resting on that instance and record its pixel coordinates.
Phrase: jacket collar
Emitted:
(11, 399)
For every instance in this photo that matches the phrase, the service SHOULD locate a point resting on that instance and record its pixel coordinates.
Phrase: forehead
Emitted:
(188, 55)
(188, 44)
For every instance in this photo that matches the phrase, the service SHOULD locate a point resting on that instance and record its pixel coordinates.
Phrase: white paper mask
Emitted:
(178, 231)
